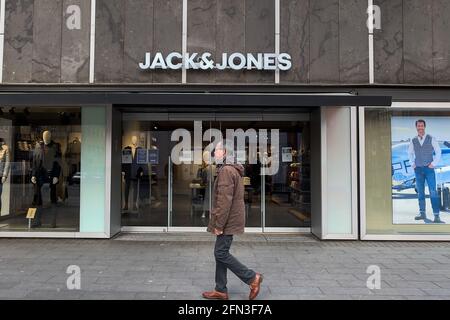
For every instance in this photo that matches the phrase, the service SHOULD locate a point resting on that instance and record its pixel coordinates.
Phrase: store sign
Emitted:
(205, 61)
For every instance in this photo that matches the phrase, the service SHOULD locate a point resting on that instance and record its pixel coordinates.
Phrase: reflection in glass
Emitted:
(179, 192)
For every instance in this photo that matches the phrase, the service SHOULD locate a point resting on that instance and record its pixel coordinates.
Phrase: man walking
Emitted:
(227, 219)
(420, 154)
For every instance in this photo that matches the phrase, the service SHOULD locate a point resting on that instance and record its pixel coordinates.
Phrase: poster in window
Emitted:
(141, 156)
(153, 156)
(420, 170)
(127, 156)
(286, 154)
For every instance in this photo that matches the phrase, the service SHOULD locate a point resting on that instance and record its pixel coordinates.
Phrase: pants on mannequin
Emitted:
(40, 183)
(128, 184)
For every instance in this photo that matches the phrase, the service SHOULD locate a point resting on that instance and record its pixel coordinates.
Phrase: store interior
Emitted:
(158, 193)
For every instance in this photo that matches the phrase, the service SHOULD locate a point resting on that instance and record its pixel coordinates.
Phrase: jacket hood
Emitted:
(239, 167)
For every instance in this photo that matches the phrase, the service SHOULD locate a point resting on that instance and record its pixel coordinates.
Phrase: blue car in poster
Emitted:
(403, 174)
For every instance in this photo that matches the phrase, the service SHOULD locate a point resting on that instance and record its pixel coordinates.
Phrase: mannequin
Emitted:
(4, 166)
(46, 170)
(207, 172)
(132, 173)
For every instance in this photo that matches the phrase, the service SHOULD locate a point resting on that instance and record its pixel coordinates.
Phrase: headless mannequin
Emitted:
(46, 170)
(47, 137)
(132, 173)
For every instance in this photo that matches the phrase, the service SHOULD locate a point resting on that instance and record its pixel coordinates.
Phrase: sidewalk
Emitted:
(174, 266)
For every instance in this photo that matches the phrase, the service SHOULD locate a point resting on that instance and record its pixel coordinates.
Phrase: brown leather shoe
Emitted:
(255, 286)
(216, 295)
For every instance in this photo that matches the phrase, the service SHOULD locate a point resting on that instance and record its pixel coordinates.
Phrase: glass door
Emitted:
(168, 170)
(145, 176)
(287, 190)
(191, 176)
(245, 137)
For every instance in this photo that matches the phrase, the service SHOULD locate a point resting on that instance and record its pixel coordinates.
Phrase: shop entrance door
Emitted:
(192, 175)
(168, 170)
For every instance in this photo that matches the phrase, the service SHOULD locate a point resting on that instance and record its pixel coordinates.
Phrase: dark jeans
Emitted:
(128, 183)
(224, 261)
(427, 174)
(50, 211)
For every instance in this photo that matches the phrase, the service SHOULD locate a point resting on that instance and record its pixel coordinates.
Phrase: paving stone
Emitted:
(372, 297)
(53, 295)
(99, 295)
(437, 292)
(443, 284)
(413, 284)
(181, 267)
(346, 291)
(295, 290)
(12, 294)
(399, 291)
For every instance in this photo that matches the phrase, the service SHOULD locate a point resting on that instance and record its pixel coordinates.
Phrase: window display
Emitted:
(4, 165)
(40, 164)
(132, 172)
(407, 171)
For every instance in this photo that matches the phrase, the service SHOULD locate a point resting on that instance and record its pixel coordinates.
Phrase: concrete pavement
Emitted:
(179, 266)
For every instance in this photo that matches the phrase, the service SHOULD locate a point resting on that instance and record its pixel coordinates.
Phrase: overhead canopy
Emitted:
(198, 99)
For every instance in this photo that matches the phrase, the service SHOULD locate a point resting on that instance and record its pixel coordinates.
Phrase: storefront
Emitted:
(94, 171)
(110, 109)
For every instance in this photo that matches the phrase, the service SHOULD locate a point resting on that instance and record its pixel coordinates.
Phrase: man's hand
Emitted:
(217, 232)
(431, 166)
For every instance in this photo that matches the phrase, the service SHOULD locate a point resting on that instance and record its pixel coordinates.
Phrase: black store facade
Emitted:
(96, 95)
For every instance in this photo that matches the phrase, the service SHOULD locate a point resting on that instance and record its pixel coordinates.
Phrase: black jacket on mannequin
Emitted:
(46, 160)
(132, 170)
